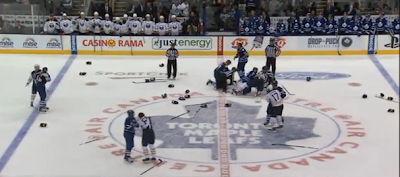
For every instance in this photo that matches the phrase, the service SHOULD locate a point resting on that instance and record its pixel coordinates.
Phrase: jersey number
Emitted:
(276, 96)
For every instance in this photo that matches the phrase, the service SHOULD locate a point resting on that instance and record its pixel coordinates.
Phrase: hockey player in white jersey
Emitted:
(275, 98)
(175, 26)
(95, 24)
(135, 25)
(148, 26)
(162, 27)
(117, 26)
(34, 74)
(125, 25)
(51, 26)
(66, 25)
(83, 24)
(107, 25)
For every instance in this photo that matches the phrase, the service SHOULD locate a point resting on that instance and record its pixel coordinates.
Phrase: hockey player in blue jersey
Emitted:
(368, 25)
(131, 125)
(222, 69)
(344, 24)
(262, 27)
(396, 26)
(330, 26)
(294, 24)
(280, 28)
(41, 81)
(307, 25)
(246, 28)
(319, 24)
(242, 57)
(34, 74)
(356, 26)
(381, 24)
(248, 82)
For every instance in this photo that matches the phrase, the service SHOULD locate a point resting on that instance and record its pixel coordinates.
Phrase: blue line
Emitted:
(32, 117)
(385, 74)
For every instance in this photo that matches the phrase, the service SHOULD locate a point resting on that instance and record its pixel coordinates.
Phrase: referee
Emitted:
(271, 52)
(172, 54)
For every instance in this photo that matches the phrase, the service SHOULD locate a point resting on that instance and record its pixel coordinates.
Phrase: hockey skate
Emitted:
(43, 109)
(209, 82)
(128, 159)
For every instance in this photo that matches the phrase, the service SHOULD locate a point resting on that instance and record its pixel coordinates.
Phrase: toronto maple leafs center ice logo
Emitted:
(245, 131)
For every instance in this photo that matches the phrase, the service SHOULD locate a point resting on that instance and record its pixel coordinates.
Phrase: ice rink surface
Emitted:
(347, 136)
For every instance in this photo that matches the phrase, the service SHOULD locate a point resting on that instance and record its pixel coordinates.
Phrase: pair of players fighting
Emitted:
(257, 79)
(39, 78)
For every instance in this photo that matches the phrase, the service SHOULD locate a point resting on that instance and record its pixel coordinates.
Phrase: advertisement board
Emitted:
(255, 45)
(387, 44)
(346, 44)
(53, 44)
(183, 43)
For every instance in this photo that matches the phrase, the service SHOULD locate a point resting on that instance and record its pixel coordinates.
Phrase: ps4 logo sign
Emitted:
(394, 43)
(313, 75)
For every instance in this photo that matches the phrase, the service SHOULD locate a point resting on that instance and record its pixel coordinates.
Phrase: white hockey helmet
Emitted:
(269, 88)
(96, 14)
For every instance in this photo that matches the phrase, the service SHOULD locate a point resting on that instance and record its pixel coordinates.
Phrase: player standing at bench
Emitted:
(271, 52)
(172, 54)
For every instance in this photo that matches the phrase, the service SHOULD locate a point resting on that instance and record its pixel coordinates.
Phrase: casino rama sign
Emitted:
(351, 130)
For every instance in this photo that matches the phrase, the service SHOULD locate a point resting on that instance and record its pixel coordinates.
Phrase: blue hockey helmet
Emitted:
(130, 112)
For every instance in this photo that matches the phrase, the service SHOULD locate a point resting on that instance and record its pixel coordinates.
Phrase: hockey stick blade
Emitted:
(200, 103)
(159, 162)
(376, 96)
(287, 91)
(91, 141)
(187, 111)
(294, 146)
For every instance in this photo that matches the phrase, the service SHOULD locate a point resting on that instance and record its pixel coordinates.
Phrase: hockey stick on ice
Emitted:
(187, 111)
(149, 82)
(98, 139)
(377, 96)
(159, 162)
(294, 146)
(200, 103)
(287, 91)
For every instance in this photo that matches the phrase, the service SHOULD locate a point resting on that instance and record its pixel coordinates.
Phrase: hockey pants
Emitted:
(221, 82)
(129, 141)
(257, 83)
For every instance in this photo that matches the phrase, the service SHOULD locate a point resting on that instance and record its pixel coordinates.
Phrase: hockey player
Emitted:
(107, 25)
(275, 96)
(248, 82)
(356, 26)
(331, 25)
(41, 81)
(131, 126)
(280, 27)
(83, 24)
(344, 24)
(381, 24)
(162, 27)
(222, 71)
(262, 27)
(307, 25)
(135, 25)
(368, 25)
(148, 26)
(34, 74)
(174, 26)
(125, 25)
(253, 20)
(319, 24)
(242, 56)
(117, 26)
(148, 138)
(95, 24)
(246, 28)
(66, 25)
(294, 24)
(51, 26)
(396, 26)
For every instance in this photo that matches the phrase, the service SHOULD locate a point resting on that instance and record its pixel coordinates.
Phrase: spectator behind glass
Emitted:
(329, 10)
(1, 23)
(20, 29)
(274, 8)
(106, 9)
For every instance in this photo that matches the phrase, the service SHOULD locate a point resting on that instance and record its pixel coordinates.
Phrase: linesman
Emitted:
(271, 52)
(172, 54)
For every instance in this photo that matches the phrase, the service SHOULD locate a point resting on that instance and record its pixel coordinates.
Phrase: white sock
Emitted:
(279, 119)
(274, 122)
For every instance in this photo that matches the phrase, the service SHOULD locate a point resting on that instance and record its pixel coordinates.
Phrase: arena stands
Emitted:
(198, 17)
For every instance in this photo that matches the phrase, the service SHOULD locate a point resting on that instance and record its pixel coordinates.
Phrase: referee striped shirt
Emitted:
(172, 54)
(272, 51)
